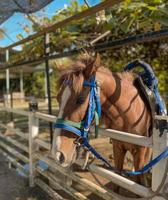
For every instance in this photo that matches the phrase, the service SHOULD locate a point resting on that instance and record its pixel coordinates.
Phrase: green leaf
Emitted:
(19, 36)
(125, 27)
(152, 8)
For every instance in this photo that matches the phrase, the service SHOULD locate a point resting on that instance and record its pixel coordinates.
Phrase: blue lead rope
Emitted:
(85, 143)
(147, 167)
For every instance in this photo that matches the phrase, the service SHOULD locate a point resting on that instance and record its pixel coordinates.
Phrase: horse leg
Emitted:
(119, 155)
(139, 162)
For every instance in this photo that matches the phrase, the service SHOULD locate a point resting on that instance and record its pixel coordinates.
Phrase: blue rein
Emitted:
(82, 130)
(93, 112)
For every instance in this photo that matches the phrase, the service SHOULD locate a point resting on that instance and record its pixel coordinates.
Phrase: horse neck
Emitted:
(110, 86)
(122, 107)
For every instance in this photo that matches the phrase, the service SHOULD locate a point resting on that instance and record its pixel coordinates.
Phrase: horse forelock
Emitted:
(74, 73)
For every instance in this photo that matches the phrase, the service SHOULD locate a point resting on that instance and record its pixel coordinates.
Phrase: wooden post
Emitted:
(7, 99)
(33, 133)
(159, 145)
(47, 52)
(21, 86)
(46, 93)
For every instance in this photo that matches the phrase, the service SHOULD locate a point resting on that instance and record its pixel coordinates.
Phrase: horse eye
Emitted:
(80, 100)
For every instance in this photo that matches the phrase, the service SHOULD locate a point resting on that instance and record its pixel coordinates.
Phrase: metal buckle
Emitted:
(77, 142)
(86, 129)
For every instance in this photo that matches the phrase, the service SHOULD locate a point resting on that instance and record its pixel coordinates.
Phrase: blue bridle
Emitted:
(93, 114)
(81, 129)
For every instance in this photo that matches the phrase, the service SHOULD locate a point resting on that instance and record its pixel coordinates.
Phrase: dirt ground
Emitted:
(15, 187)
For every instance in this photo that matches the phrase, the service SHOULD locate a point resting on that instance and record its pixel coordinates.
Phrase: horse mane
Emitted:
(74, 73)
(129, 76)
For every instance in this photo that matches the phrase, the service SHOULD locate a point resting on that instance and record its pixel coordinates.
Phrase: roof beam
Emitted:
(138, 39)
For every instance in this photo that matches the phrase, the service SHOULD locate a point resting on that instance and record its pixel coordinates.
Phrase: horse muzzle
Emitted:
(64, 160)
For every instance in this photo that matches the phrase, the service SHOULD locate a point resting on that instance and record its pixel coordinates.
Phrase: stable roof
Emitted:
(9, 7)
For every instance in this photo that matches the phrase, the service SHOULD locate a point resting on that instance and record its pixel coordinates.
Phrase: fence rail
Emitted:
(34, 154)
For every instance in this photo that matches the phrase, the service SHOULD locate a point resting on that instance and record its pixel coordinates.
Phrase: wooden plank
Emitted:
(158, 171)
(98, 190)
(46, 117)
(16, 131)
(53, 194)
(54, 181)
(79, 16)
(33, 133)
(16, 111)
(121, 181)
(14, 152)
(15, 163)
(43, 144)
(15, 142)
(126, 137)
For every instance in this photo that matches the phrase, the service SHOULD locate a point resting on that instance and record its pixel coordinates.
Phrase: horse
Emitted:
(123, 109)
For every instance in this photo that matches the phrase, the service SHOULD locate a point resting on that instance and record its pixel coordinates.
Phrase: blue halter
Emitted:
(93, 113)
(82, 129)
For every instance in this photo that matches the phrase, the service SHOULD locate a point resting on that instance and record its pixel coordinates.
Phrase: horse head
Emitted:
(73, 99)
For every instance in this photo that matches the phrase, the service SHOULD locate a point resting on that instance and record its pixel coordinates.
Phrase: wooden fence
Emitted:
(24, 149)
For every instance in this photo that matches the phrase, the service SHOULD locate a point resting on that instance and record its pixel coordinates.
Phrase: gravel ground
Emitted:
(15, 187)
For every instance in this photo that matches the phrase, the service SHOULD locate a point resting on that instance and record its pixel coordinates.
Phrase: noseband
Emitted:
(82, 128)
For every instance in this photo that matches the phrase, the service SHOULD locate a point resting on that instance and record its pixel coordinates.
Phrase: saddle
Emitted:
(150, 100)
(151, 97)
(148, 97)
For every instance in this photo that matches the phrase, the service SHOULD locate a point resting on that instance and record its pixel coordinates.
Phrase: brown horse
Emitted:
(122, 109)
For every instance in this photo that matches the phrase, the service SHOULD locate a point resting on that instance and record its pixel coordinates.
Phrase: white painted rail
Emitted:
(15, 111)
(158, 144)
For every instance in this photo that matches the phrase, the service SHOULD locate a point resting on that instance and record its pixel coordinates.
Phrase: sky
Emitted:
(13, 26)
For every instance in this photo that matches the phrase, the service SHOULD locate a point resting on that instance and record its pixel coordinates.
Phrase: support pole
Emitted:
(33, 133)
(46, 93)
(7, 99)
(47, 51)
(21, 85)
(159, 145)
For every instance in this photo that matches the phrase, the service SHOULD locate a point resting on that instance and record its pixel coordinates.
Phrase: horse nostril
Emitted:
(60, 157)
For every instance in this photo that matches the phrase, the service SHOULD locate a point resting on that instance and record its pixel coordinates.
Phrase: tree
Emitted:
(128, 18)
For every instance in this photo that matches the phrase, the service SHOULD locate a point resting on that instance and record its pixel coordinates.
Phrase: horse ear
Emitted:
(92, 67)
